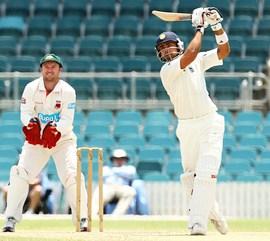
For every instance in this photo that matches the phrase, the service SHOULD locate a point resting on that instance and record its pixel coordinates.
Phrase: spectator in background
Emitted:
(121, 190)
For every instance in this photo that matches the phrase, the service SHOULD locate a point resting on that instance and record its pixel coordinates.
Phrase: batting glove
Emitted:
(198, 21)
(213, 17)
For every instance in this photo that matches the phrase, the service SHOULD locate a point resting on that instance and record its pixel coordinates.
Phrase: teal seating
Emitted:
(241, 26)
(165, 142)
(108, 64)
(12, 25)
(78, 8)
(263, 168)
(250, 8)
(136, 141)
(174, 154)
(152, 131)
(255, 117)
(81, 64)
(131, 7)
(246, 154)
(229, 142)
(259, 142)
(105, 142)
(144, 45)
(146, 166)
(144, 89)
(4, 66)
(34, 45)
(155, 64)
(138, 64)
(226, 67)
(10, 154)
(184, 30)
(18, 8)
(265, 155)
(249, 177)
(159, 117)
(246, 64)
(242, 129)
(153, 26)
(258, 47)
(126, 25)
(91, 46)
(97, 25)
(128, 117)
(103, 7)
(63, 45)
(155, 177)
(174, 169)
(101, 117)
(237, 166)
(24, 64)
(266, 8)
(95, 130)
(223, 6)
(236, 44)
(10, 116)
(40, 25)
(109, 88)
(85, 88)
(69, 25)
(8, 45)
(188, 6)
(9, 128)
(122, 130)
(263, 27)
(119, 46)
(227, 116)
(46, 8)
(208, 43)
(160, 92)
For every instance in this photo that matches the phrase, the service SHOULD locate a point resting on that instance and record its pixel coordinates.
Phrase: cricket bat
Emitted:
(171, 17)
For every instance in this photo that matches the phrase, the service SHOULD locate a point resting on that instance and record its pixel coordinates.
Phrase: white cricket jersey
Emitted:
(187, 88)
(58, 106)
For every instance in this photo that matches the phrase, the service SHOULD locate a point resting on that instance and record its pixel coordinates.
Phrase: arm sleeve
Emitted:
(210, 59)
(126, 171)
(65, 123)
(27, 105)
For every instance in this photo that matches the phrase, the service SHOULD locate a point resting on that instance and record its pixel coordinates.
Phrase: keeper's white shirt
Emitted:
(187, 88)
(58, 106)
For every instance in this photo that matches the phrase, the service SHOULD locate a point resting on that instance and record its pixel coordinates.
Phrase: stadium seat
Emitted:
(255, 117)
(18, 8)
(265, 155)
(153, 26)
(227, 115)
(237, 46)
(241, 26)
(155, 177)
(94, 130)
(137, 142)
(128, 117)
(97, 25)
(131, 7)
(165, 142)
(160, 92)
(63, 45)
(10, 128)
(46, 8)
(144, 45)
(122, 130)
(249, 8)
(144, 89)
(242, 129)
(78, 8)
(236, 166)
(208, 43)
(34, 45)
(4, 66)
(167, 6)
(138, 64)
(126, 25)
(101, 117)
(119, 46)
(24, 64)
(10, 116)
(246, 64)
(103, 7)
(85, 88)
(174, 154)
(259, 142)
(263, 27)
(105, 142)
(266, 7)
(9, 153)
(12, 25)
(183, 30)
(69, 26)
(229, 142)
(40, 25)
(258, 46)
(266, 131)
(155, 64)
(249, 177)
(160, 117)
(80, 64)
(106, 64)
(152, 131)
(224, 6)
(263, 168)
(244, 153)
(91, 46)
(109, 88)
(8, 45)
(174, 169)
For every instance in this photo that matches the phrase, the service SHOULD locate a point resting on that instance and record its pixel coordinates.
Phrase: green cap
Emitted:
(51, 57)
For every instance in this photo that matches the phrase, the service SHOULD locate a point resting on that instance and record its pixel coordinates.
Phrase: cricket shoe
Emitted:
(10, 225)
(197, 229)
(220, 225)
(84, 225)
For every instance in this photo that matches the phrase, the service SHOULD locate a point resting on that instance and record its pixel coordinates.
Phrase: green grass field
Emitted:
(56, 228)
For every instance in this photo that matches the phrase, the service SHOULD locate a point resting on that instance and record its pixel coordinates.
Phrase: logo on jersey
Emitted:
(71, 105)
(45, 118)
(191, 69)
(57, 104)
(23, 100)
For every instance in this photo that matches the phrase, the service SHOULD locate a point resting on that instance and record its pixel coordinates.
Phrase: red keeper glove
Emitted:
(32, 132)
(50, 136)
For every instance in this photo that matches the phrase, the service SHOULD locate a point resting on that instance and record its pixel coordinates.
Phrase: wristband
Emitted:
(222, 38)
(200, 29)
(216, 27)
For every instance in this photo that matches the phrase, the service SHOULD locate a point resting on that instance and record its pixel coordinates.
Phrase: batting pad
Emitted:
(202, 200)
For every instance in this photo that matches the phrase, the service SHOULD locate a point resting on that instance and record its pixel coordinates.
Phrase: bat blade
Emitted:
(171, 17)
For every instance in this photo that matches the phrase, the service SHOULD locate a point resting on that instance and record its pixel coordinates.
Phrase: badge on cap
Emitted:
(162, 36)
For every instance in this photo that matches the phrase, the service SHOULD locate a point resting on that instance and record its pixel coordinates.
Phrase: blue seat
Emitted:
(138, 64)
(128, 117)
(237, 46)
(246, 64)
(136, 141)
(144, 88)
(144, 45)
(80, 64)
(161, 117)
(152, 131)
(46, 8)
(263, 168)
(9, 153)
(254, 117)
(91, 46)
(166, 6)
(10, 116)
(34, 45)
(224, 6)
(250, 8)
(174, 154)
(24, 64)
(13, 26)
(244, 153)
(155, 177)
(131, 7)
(258, 47)
(155, 64)
(40, 25)
(241, 26)
(63, 45)
(121, 130)
(107, 64)
(119, 46)
(153, 153)
(243, 129)
(126, 25)
(265, 155)
(229, 142)
(4, 66)
(188, 6)
(109, 88)
(153, 26)
(78, 8)
(166, 142)
(105, 142)
(97, 25)
(7, 128)
(249, 177)
(266, 7)
(18, 8)
(227, 116)
(68, 26)
(8, 45)
(174, 169)
(101, 117)
(103, 7)
(85, 88)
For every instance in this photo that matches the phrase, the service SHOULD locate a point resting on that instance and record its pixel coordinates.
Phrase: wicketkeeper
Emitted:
(201, 128)
(47, 112)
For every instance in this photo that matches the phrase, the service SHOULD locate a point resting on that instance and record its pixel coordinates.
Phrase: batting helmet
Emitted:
(166, 37)
(51, 57)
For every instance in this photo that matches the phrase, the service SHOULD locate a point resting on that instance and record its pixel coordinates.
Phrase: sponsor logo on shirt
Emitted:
(23, 100)
(45, 118)
(57, 104)
(71, 105)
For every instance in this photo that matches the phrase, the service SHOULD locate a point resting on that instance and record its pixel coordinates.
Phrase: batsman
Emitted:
(47, 113)
(200, 128)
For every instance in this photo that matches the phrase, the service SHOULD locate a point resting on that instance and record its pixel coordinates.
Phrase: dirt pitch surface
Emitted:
(56, 228)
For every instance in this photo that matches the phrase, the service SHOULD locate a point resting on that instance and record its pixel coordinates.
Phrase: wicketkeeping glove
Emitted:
(50, 136)
(198, 21)
(32, 131)
(213, 17)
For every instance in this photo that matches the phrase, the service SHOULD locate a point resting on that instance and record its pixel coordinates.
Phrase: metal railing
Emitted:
(253, 91)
